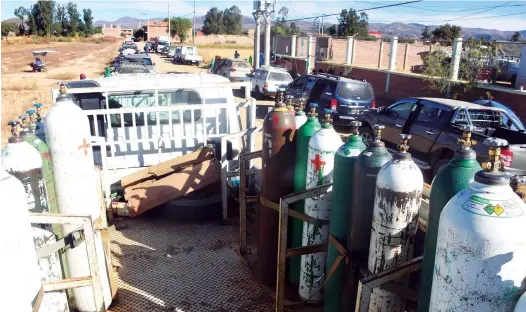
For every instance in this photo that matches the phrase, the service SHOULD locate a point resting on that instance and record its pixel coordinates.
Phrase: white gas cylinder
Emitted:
(480, 260)
(20, 282)
(395, 221)
(50, 271)
(68, 136)
(521, 304)
(322, 147)
(300, 120)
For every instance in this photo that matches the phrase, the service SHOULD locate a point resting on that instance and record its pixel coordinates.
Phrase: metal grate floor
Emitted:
(168, 266)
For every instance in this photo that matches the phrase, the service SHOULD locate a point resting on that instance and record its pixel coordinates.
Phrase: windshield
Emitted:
(355, 91)
(241, 65)
(280, 77)
(147, 61)
(161, 43)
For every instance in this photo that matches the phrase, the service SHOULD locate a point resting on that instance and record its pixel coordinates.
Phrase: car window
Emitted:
(355, 91)
(310, 83)
(264, 74)
(147, 61)
(430, 114)
(147, 99)
(280, 77)
(241, 65)
(299, 82)
(257, 74)
(401, 110)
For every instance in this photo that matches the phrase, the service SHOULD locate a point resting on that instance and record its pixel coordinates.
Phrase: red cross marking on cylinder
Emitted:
(317, 162)
(275, 119)
(84, 146)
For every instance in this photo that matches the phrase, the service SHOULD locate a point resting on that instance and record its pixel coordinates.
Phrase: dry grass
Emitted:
(41, 40)
(62, 76)
(28, 85)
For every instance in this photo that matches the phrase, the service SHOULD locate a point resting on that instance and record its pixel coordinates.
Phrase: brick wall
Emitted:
(283, 45)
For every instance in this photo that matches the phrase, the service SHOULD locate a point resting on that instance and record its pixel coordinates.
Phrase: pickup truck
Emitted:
(187, 55)
(434, 124)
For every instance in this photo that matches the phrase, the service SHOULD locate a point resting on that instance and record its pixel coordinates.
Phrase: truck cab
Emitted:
(139, 120)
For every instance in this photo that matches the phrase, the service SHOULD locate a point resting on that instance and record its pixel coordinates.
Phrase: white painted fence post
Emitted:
(350, 51)
(457, 51)
(392, 54)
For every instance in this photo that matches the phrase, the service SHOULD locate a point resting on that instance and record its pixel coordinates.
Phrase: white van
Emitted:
(143, 119)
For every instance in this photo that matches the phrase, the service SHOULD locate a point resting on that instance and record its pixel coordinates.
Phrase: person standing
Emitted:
(236, 55)
(250, 59)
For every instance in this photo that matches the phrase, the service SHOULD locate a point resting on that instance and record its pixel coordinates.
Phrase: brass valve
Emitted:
(494, 153)
(355, 126)
(62, 88)
(378, 132)
(327, 116)
(38, 107)
(404, 143)
(14, 127)
(466, 140)
(312, 110)
(23, 120)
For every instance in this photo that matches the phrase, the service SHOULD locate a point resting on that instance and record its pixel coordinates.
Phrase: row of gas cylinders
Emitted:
(57, 177)
(475, 257)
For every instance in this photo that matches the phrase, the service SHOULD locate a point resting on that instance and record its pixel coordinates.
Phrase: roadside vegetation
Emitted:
(51, 19)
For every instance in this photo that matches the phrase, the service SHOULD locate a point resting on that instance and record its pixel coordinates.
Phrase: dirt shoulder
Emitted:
(21, 87)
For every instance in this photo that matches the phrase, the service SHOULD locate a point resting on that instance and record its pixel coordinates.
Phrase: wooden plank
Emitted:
(109, 265)
(167, 167)
(173, 186)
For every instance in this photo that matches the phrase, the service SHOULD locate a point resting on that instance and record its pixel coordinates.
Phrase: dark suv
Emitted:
(347, 97)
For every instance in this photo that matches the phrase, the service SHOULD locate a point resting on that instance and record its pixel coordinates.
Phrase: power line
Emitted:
(447, 11)
(474, 18)
(492, 8)
(362, 10)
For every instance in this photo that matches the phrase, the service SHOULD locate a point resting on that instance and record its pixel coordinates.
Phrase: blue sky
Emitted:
(482, 14)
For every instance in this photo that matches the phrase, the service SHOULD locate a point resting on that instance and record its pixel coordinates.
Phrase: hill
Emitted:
(411, 30)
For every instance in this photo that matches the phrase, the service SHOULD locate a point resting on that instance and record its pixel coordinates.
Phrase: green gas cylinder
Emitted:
(450, 179)
(360, 215)
(302, 138)
(342, 193)
(47, 166)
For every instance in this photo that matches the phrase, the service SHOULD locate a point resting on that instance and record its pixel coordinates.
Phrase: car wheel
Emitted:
(367, 134)
(439, 164)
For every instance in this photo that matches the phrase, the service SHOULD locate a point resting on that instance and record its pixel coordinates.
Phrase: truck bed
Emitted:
(165, 265)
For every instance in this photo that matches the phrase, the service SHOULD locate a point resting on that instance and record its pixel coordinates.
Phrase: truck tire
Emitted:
(367, 134)
(439, 164)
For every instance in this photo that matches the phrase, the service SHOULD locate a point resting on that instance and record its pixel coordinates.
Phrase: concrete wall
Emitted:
(283, 45)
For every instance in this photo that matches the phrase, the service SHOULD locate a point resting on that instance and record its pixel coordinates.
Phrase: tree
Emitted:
(180, 27)
(438, 67)
(73, 15)
(446, 33)
(8, 27)
(333, 30)
(88, 21)
(21, 13)
(516, 36)
(232, 21)
(32, 14)
(98, 30)
(426, 34)
(62, 20)
(213, 22)
(281, 27)
(352, 24)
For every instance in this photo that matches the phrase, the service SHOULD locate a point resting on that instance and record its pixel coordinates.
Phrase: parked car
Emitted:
(133, 68)
(267, 80)
(517, 123)
(435, 125)
(187, 55)
(143, 59)
(506, 70)
(233, 69)
(347, 97)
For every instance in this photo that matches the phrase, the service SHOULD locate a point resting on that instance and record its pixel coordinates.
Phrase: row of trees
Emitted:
(228, 21)
(47, 18)
(282, 27)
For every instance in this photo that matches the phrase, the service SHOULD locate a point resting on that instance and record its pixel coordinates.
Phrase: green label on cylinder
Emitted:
(494, 208)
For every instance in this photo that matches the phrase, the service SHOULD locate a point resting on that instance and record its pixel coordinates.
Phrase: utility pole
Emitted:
(257, 34)
(169, 25)
(193, 27)
(267, 13)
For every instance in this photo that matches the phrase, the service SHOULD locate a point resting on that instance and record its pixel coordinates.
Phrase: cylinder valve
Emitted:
(494, 153)
(378, 132)
(327, 116)
(38, 107)
(14, 127)
(313, 107)
(355, 126)
(404, 143)
(466, 140)
(23, 121)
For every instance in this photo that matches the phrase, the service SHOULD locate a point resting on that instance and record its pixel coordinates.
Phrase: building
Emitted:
(157, 29)
(375, 34)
